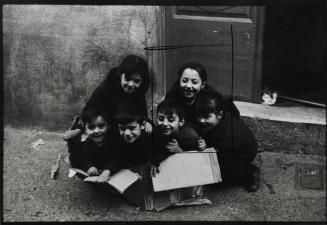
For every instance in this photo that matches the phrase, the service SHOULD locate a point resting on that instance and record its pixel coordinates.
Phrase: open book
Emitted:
(187, 169)
(120, 180)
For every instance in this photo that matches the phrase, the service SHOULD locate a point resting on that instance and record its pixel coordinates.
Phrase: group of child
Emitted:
(193, 116)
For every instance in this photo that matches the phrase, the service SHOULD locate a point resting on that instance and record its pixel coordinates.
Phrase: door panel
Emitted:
(194, 27)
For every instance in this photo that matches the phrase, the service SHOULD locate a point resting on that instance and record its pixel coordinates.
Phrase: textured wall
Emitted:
(54, 56)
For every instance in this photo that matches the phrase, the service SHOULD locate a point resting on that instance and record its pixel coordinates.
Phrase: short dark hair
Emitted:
(128, 112)
(90, 114)
(133, 64)
(209, 102)
(169, 106)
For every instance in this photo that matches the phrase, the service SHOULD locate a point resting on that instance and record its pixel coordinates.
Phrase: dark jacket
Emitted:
(87, 154)
(109, 94)
(232, 138)
(134, 154)
(186, 137)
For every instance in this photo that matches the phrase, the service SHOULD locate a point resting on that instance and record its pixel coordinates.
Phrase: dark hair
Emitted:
(194, 66)
(133, 64)
(211, 101)
(169, 106)
(128, 112)
(90, 114)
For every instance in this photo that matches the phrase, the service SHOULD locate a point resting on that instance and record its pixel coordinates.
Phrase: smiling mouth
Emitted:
(188, 92)
(129, 88)
(97, 136)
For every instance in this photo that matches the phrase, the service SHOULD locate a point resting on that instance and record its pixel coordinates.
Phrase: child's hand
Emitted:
(173, 146)
(153, 170)
(92, 171)
(71, 133)
(104, 176)
(147, 127)
(201, 144)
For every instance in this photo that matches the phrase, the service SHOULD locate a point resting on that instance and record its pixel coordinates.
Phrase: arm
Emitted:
(159, 152)
(98, 97)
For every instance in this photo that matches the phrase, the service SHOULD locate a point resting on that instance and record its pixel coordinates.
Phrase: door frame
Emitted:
(258, 57)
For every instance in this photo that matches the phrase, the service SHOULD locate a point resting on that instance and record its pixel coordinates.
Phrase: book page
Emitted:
(123, 179)
(187, 169)
(73, 171)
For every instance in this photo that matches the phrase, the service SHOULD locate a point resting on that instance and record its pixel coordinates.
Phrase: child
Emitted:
(127, 83)
(171, 135)
(236, 145)
(191, 82)
(135, 148)
(95, 154)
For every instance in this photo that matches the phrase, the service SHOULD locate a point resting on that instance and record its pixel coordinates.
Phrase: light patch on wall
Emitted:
(137, 32)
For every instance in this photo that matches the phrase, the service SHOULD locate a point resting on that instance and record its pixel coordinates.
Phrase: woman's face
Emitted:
(190, 83)
(132, 83)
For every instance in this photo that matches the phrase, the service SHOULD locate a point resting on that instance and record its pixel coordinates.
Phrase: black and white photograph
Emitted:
(164, 112)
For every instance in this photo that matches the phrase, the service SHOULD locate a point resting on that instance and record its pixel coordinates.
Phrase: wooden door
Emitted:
(204, 34)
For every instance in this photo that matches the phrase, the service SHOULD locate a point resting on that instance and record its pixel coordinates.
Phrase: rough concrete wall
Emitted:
(54, 56)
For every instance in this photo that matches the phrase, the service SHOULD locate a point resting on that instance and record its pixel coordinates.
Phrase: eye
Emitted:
(195, 81)
(91, 127)
(160, 118)
(101, 125)
(171, 119)
(137, 81)
(131, 128)
(184, 80)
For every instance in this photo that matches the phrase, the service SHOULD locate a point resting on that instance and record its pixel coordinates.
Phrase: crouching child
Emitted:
(135, 148)
(224, 130)
(95, 155)
(171, 134)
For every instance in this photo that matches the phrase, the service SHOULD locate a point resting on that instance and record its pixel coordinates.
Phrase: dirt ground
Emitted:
(31, 195)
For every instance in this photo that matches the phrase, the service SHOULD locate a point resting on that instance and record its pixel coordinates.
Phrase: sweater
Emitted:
(88, 154)
(186, 138)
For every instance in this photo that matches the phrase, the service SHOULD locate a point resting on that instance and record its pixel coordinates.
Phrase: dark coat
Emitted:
(87, 154)
(232, 138)
(134, 154)
(109, 94)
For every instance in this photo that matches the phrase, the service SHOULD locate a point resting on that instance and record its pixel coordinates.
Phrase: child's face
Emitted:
(190, 83)
(97, 129)
(131, 83)
(130, 132)
(168, 124)
(209, 120)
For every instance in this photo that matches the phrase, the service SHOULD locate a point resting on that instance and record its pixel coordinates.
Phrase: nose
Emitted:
(127, 132)
(188, 84)
(165, 122)
(130, 83)
(96, 130)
